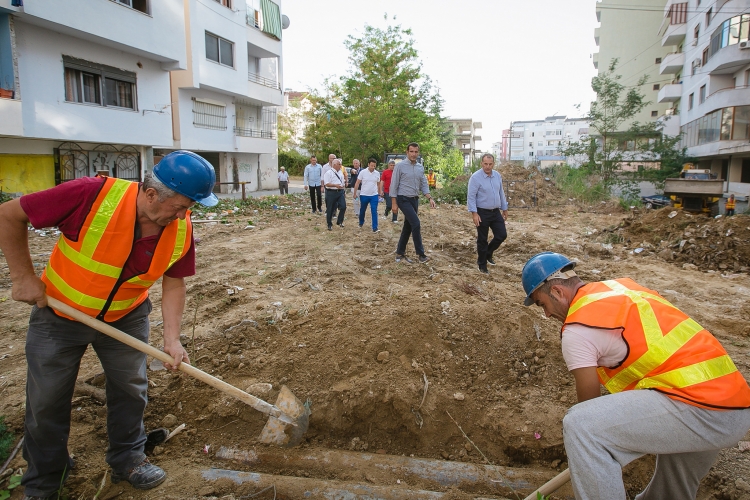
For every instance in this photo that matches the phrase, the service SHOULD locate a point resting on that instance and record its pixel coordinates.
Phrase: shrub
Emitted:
(6, 440)
(293, 161)
(454, 191)
(578, 183)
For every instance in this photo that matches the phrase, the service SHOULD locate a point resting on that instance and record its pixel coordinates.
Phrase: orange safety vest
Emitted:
(667, 350)
(86, 273)
(730, 204)
(431, 180)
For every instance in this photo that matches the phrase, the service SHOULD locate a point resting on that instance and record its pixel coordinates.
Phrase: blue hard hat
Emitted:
(540, 267)
(188, 174)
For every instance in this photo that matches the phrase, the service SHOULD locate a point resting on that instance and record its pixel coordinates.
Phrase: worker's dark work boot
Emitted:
(143, 477)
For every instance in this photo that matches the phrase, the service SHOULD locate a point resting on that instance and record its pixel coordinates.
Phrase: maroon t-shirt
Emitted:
(67, 206)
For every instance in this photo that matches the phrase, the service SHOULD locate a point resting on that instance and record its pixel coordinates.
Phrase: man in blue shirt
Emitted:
(313, 178)
(489, 209)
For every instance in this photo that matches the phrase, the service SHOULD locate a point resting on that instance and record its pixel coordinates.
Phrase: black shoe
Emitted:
(403, 258)
(490, 260)
(51, 497)
(330, 228)
(341, 225)
(143, 477)
(424, 259)
(387, 211)
(483, 269)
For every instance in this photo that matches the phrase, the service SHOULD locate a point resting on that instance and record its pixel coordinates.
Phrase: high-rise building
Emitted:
(465, 137)
(535, 141)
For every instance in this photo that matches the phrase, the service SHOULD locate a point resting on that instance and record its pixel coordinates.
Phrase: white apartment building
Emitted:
(710, 66)
(465, 137)
(107, 85)
(537, 141)
(295, 111)
(629, 33)
(85, 87)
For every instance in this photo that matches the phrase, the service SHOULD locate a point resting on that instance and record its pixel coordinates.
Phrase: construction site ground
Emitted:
(435, 361)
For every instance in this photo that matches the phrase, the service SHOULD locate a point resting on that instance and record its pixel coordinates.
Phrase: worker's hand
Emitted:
(31, 289)
(394, 206)
(178, 353)
(477, 219)
(432, 203)
(505, 215)
(305, 188)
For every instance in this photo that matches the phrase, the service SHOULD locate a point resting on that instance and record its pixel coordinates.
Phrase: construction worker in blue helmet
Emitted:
(672, 389)
(118, 238)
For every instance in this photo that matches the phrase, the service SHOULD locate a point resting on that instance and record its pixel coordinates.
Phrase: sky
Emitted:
(494, 61)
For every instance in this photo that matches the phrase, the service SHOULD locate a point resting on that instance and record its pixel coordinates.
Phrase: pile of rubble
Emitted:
(720, 244)
(524, 185)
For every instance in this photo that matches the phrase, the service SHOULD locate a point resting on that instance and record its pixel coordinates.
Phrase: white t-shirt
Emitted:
(583, 347)
(368, 182)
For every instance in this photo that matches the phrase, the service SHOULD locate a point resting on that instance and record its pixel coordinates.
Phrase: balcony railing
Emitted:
(254, 132)
(266, 82)
(728, 88)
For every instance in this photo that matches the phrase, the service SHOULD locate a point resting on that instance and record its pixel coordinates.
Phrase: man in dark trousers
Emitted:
(335, 184)
(486, 202)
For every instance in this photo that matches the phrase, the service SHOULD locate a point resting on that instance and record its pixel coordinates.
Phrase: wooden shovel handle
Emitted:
(133, 342)
(552, 485)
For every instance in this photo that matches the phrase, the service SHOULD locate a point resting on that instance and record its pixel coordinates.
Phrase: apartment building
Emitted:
(710, 66)
(85, 88)
(535, 141)
(465, 137)
(501, 149)
(89, 86)
(294, 114)
(629, 33)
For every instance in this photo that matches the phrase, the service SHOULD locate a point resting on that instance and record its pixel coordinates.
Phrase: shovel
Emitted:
(288, 419)
(552, 485)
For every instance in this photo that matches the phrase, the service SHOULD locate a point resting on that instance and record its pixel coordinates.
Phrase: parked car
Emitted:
(656, 201)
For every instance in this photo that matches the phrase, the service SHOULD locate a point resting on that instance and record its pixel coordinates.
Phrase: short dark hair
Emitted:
(313, 156)
(372, 160)
(412, 145)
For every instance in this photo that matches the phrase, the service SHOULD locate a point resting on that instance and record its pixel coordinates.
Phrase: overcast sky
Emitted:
(494, 61)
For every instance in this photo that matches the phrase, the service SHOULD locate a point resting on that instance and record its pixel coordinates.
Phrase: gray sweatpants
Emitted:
(54, 347)
(604, 434)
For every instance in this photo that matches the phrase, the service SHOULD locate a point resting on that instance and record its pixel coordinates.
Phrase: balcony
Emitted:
(596, 36)
(674, 35)
(724, 98)
(595, 58)
(260, 42)
(672, 64)
(670, 93)
(12, 119)
(727, 60)
(264, 91)
(250, 140)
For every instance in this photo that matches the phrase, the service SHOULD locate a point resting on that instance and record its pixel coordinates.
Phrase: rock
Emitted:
(444, 454)
(259, 389)
(742, 485)
(468, 447)
(540, 353)
(528, 355)
(666, 254)
(169, 421)
(381, 451)
(383, 356)
(206, 491)
(555, 463)
(459, 396)
(158, 450)
(691, 267)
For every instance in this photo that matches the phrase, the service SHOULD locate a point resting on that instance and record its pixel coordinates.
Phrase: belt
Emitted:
(488, 209)
(333, 189)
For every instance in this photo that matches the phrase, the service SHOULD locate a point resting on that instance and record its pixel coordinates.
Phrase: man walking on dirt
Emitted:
(407, 182)
(335, 197)
(283, 181)
(118, 238)
(386, 179)
(313, 181)
(675, 392)
(486, 202)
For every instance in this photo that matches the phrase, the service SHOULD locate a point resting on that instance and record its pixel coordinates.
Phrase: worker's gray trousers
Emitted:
(604, 434)
(54, 347)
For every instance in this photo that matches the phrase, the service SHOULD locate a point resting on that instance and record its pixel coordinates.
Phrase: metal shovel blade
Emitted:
(285, 434)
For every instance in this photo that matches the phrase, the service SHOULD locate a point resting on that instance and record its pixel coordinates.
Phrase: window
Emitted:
(540, 143)
(690, 101)
(225, 3)
(654, 114)
(531, 144)
(92, 83)
(656, 86)
(708, 16)
(658, 60)
(702, 95)
(704, 57)
(531, 153)
(532, 134)
(212, 115)
(139, 5)
(697, 32)
(219, 50)
(745, 173)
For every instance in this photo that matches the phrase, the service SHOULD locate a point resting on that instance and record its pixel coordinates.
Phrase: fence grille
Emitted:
(266, 82)
(211, 116)
(254, 132)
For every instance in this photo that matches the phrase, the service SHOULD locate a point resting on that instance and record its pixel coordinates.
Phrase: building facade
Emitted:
(107, 86)
(709, 64)
(536, 141)
(465, 137)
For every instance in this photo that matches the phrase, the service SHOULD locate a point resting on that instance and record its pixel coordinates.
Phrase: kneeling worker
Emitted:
(118, 238)
(675, 392)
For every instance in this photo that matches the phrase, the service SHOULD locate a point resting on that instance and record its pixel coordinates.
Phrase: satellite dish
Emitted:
(284, 22)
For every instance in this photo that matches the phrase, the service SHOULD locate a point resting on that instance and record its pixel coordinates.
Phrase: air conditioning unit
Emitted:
(745, 44)
(695, 42)
(697, 63)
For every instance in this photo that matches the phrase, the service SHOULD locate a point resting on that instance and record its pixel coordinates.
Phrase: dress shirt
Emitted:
(486, 191)
(334, 177)
(368, 182)
(408, 180)
(313, 174)
(283, 176)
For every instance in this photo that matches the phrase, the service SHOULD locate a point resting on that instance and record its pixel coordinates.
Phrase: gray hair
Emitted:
(151, 181)
(337, 160)
(488, 155)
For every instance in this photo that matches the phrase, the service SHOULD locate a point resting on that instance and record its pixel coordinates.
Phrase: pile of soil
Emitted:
(392, 358)
(527, 187)
(678, 236)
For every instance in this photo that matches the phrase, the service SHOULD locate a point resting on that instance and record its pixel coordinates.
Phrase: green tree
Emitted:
(383, 103)
(449, 165)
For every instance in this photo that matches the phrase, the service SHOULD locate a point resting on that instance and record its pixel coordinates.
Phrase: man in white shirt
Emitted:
(283, 181)
(328, 166)
(371, 191)
(335, 184)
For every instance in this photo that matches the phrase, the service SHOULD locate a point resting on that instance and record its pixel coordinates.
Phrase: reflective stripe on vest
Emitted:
(86, 273)
(641, 369)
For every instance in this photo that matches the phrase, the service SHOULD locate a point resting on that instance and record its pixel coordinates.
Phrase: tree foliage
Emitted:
(383, 103)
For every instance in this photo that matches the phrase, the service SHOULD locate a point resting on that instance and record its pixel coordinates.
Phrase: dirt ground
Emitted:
(392, 358)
